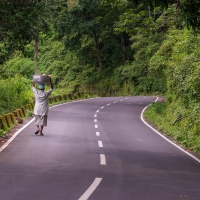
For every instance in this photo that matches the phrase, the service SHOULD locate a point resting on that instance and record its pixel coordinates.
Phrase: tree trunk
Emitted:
(178, 3)
(36, 55)
(123, 48)
(149, 10)
(98, 50)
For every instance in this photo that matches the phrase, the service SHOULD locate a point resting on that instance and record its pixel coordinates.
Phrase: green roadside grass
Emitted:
(158, 114)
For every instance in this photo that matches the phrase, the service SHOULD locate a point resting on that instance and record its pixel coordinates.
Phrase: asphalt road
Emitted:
(97, 149)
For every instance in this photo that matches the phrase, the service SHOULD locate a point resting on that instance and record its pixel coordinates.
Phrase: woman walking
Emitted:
(41, 109)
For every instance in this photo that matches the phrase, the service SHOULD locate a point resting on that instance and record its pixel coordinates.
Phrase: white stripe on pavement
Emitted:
(97, 134)
(100, 143)
(102, 159)
(91, 189)
(13, 137)
(142, 118)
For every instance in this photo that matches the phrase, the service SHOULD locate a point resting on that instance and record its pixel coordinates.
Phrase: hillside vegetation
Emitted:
(114, 48)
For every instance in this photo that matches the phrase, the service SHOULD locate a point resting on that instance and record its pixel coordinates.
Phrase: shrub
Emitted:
(15, 92)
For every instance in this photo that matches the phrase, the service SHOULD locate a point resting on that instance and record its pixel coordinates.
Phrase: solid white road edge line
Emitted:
(70, 102)
(100, 143)
(91, 189)
(13, 137)
(102, 159)
(189, 154)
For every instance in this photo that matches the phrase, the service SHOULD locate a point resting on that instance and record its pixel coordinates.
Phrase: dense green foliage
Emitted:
(116, 47)
(14, 93)
(181, 131)
(21, 22)
(178, 58)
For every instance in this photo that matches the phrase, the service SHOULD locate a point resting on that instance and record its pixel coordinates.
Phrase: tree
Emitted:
(21, 21)
(188, 10)
(79, 22)
(88, 29)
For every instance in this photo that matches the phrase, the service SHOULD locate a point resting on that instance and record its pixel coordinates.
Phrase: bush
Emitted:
(15, 92)
(185, 131)
(2, 133)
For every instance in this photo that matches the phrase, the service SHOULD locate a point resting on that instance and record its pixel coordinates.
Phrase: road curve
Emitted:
(97, 149)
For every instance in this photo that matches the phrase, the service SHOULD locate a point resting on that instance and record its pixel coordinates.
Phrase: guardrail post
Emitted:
(17, 113)
(13, 118)
(9, 120)
(70, 96)
(65, 97)
(23, 110)
(3, 123)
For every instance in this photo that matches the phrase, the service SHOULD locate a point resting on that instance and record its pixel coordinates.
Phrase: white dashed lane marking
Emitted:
(100, 143)
(102, 159)
(97, 181)
(97, 134)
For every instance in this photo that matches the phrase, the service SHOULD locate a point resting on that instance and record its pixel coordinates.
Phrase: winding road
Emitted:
(97, 149)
